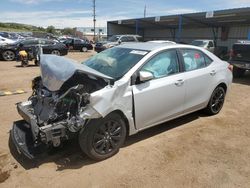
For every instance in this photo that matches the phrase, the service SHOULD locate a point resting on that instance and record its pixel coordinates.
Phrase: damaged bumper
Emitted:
(29, 138)
(21, 137)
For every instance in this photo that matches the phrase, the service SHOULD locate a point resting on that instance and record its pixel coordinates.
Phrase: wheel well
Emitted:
(124, 118)
(223, 85)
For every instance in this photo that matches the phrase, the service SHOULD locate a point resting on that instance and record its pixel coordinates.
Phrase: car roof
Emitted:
(150, 46)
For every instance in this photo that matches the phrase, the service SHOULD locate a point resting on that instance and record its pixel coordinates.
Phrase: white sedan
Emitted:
(119, 92)
(5, 41)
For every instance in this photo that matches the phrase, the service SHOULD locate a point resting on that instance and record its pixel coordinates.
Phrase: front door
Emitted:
(161, 98)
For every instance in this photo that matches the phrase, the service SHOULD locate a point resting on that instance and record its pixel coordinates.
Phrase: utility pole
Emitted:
(94, 19)
(145, 9)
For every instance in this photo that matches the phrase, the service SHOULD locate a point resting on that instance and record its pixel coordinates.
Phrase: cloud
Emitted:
(59, 19)
(33, 1)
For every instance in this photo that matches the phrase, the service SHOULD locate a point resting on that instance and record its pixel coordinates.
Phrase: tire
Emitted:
(8, 55)
(237, 72)
(56, 52)
(84, 49)
(216, 101)
(24, 63)
(37, 62)
(102, 138)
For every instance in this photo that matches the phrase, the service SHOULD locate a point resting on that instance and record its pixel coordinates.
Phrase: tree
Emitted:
(68, 31)
(51, 29)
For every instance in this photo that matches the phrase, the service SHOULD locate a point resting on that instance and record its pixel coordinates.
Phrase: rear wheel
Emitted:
(216, 101)
(102, 138)
(84, 49)
(56, 52)
(8, 55)
(237, 72)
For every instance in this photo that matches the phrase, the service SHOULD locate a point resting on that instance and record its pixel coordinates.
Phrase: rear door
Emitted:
(199, 78)
(161, 98)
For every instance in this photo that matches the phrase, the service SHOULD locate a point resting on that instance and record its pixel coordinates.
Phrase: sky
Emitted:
(78, 13)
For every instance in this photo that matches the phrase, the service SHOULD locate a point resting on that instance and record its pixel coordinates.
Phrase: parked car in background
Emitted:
(11, 35)
(118, 93)
(9, 52)
(5, 41)
(78, 44)
(210, 45)
(240, 58)
(116, 40)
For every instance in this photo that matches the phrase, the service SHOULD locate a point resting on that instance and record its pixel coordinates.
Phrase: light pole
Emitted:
(94, 19)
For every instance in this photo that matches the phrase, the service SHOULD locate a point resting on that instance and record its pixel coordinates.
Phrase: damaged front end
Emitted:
(59, 105)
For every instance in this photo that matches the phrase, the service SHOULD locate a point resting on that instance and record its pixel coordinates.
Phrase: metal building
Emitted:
(225, 27)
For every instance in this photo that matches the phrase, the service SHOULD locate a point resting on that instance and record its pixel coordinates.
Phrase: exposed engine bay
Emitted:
(55, 108)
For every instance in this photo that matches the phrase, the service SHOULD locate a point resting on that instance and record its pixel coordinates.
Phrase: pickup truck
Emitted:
(240, 58)
(210, 45)
(78, 44)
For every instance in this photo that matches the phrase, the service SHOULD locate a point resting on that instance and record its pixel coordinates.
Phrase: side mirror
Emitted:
(145, 76)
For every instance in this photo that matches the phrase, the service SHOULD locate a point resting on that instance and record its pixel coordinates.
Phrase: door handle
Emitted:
(179, 82)
(213, 72)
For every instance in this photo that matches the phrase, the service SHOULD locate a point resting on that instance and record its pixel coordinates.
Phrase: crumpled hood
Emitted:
(55, 70)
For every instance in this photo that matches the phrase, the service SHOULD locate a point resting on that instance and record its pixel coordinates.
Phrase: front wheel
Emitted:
(216, 101)
(102, 138)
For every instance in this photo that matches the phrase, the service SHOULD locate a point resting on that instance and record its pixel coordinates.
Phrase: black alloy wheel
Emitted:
(216, 101)
(107, 137)
(102, 138)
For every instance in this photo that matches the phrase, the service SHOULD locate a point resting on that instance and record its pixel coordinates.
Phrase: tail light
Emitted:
(230, 67)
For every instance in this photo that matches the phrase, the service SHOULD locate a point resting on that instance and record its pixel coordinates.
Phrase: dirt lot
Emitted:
(193, 151)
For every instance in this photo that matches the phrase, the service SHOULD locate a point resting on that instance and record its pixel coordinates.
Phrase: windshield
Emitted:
(114, 38)
(199, 43)
(115, 62)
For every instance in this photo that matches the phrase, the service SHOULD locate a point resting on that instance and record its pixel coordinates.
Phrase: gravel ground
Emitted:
(192, 151)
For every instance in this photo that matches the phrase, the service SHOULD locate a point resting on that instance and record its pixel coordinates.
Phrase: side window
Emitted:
(208, 60)
(130, 39)
(30, 42)
(47, 42)
(193, 59)
(42, 42)
(163, 64)
(210, 44)
(78, 41)
(124, 39)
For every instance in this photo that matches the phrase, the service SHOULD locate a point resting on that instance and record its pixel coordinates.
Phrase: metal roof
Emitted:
(229, 17)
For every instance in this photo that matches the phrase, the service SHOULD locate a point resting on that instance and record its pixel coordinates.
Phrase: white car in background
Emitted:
(5, 41)
(116, 93)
